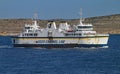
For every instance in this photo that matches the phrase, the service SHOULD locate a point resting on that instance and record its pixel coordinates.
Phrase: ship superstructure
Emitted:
(65, 36)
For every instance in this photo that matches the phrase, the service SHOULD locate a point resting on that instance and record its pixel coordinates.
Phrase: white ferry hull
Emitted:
(61, 42)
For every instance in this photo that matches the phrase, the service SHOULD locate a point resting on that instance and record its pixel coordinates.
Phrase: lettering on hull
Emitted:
(50, 41)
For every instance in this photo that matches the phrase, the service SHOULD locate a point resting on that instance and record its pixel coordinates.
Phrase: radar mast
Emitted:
(35, 17)
(81, 19)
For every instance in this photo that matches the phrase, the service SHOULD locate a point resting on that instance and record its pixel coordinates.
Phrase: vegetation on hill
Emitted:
(102, 24)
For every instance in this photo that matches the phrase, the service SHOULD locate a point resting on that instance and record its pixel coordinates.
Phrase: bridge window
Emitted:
(84, 26)
(27, 27)
(35, 34)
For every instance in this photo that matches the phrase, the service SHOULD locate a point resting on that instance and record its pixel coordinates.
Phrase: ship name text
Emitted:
(50, 41)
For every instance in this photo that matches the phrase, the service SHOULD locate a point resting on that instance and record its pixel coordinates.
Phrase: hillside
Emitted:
(102, 24)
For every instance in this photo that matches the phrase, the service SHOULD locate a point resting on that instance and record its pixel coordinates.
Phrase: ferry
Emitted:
(64, 36)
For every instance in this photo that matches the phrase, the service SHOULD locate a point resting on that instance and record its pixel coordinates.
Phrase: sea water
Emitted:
(60, 61)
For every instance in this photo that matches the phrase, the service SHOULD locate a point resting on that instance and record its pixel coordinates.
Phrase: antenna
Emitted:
(81, 19)
(81, 13)
(35, 17)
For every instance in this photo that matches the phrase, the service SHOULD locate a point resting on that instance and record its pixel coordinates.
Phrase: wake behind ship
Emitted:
(65, 36)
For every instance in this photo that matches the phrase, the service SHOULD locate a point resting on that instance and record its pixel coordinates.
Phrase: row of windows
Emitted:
(28, 27)
(83, 30)
(30, 34)
(84, 26)
(75, 34)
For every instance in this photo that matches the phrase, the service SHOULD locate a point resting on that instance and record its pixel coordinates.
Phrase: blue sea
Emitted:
(60, 61)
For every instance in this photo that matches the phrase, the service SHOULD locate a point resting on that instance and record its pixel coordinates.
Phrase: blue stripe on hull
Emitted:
(58, 45)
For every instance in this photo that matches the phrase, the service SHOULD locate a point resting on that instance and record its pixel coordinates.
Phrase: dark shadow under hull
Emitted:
(59, 45)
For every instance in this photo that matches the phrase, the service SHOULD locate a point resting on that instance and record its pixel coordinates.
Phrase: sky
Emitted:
(57, 9)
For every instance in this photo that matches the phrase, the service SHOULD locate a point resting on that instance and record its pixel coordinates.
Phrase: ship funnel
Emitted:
(51, 25)
(64, 26)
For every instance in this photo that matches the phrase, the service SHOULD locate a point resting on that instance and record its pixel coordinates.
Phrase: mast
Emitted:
(35, 17)
(81, 19)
